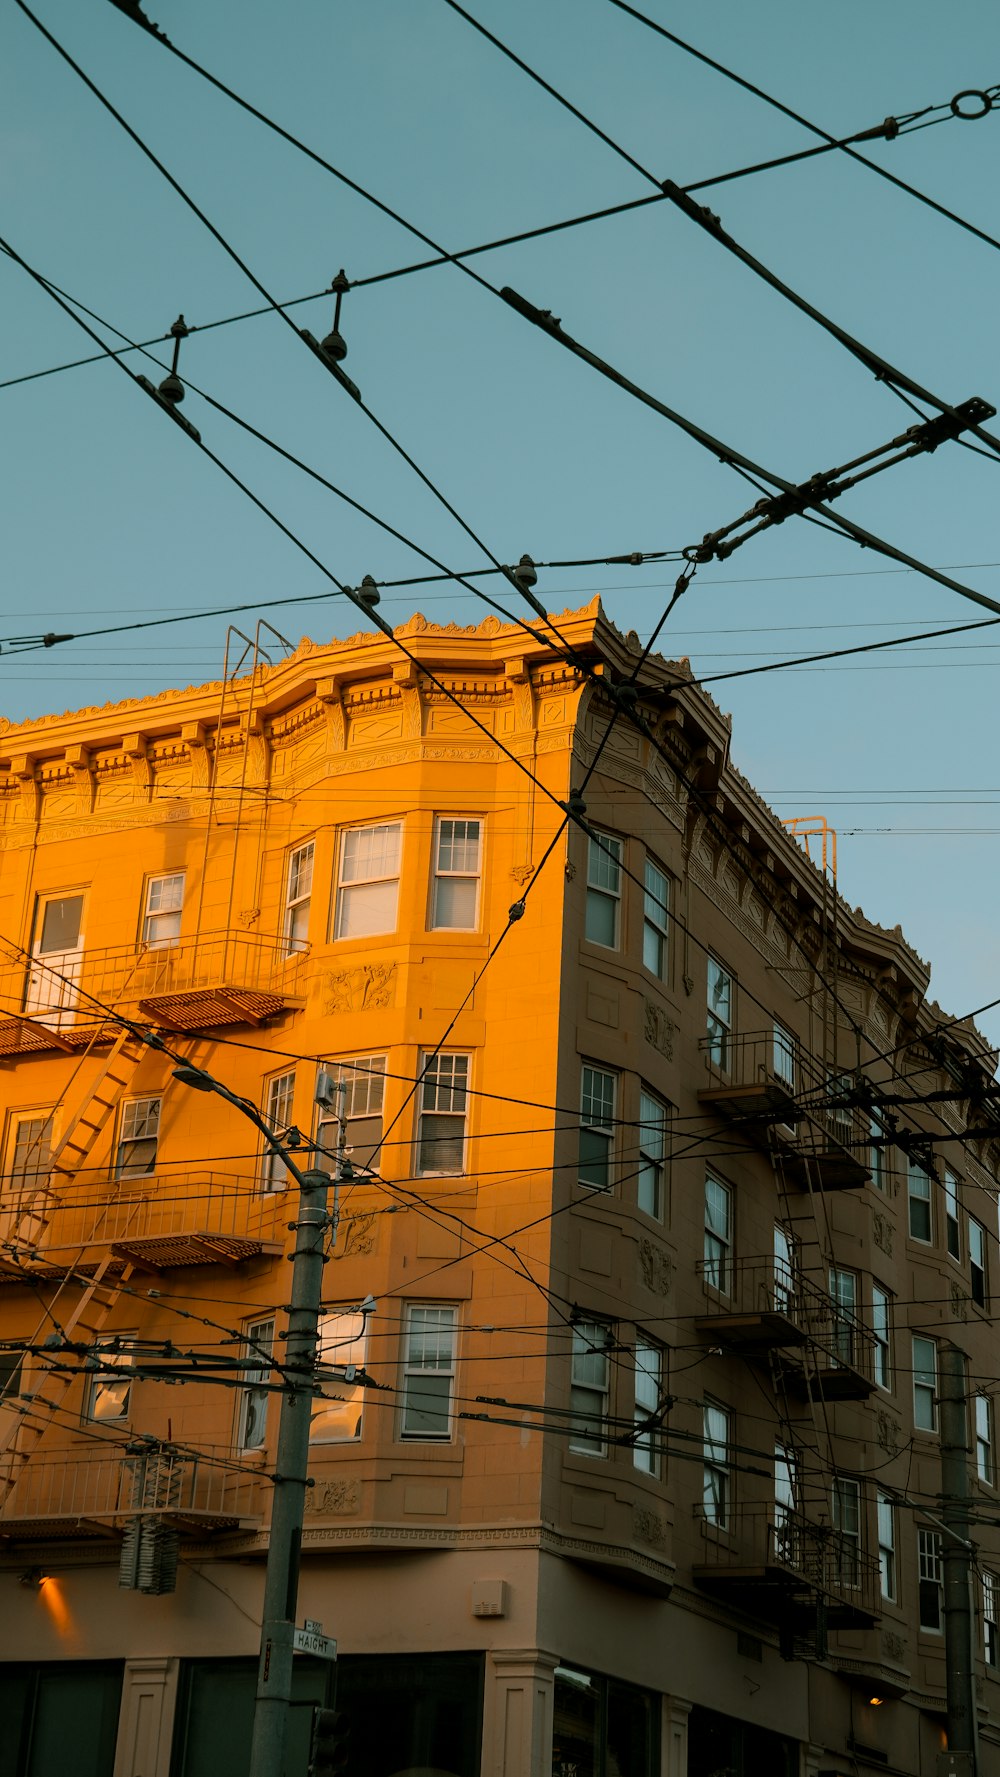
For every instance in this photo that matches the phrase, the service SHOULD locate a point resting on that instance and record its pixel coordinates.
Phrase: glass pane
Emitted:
(455, 902)
(603, 868)
(442, 1142)
(370, 852)
(61, 924)
(595, 1159)
(575, 1743)
(425, 1413)
(717, 1208)
(367, 909)
(602, 918)
(631, 1732)
(458, 846)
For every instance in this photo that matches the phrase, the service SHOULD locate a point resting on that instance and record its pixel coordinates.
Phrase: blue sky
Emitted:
(111, 515)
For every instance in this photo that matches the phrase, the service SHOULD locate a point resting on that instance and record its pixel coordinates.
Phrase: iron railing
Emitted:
(98, 1211)
(775, 1287)
(75, 1485)
(791, 1550)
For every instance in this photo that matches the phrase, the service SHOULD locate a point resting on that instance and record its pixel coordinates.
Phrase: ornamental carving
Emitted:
(333, 1499)
(959, 1302)
(357, 1234)
(886, 1432)
(648, 1527)
(882, 1233)
(656, 1266)
(358, 990)
(658, 1029)
(893, 1645)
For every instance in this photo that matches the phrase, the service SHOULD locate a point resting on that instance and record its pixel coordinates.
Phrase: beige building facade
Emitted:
(666, 1214)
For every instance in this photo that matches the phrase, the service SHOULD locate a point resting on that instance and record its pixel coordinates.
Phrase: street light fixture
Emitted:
(274, 1675)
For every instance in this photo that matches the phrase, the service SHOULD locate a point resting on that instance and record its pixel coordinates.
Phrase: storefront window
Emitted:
(721, 1746)
(603, 1728)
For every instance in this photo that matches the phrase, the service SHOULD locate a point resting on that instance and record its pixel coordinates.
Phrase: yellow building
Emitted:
(626, 1445)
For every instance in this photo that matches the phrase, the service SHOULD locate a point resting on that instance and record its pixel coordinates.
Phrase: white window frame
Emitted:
(105, 1401)
(656, 920)
(363, 1078)
(845, 1519)
(717, 1250)
(785, 1503)
(28, 1160)
(590, 1387)
(930, 1572)
(919, 1205)
(719, 1025)
(447, 875)
(952, 1217)
(784, 1269)
(652, 1180)
(978, 1274)
(991, 1619)
(604, 888)
(783, 1055)
(258, 1339)
(298, 897)
(443, 1093)
(337, 1414)
(878, 1154)
(882, 1328)
(985, 1457)
(279, 1096)
(717, 1437)
(843, 1286)
(925, 1383)
(647, 1440)
(598, 1111)
(436, 1323)
(885, 1514)
(381, 872)
(138, 1126)
(163, 909)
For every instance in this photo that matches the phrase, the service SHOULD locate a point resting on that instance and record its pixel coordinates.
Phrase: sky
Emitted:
(112, 517)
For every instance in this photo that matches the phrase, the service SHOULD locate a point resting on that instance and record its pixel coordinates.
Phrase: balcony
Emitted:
(776, 1564)
(152, 1224)
(758, 1081)
(97, 1492)
(189, 985)
(759, 1305)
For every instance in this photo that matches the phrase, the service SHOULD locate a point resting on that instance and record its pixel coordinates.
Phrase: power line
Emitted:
(880, 367)
(988, 96)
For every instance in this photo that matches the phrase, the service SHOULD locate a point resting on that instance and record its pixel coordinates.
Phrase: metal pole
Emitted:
(281, 1584)
(956, 1550)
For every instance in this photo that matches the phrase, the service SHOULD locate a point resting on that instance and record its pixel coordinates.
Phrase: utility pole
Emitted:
(962, 1757)
(281, 1581)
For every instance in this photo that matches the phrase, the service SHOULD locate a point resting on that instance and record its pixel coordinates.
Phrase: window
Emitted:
(137, 1138)
(29, 1151)
(598, 1726)
(718, 1233)
(919, 1191)
(161, 924)
(930, 1581)
(604, 889)
(298, 893)
(991, 1589)
(652, 1147)
(877, 1152)
(984, 1439)
(363, 1082)
(924, 1384)
(597, 1122)
(882, 1323)
(443, 1111)
(368, 884)
(783, 1056)
(844, 1296)
(846, 1502)
(257, 1350)
(784, 1270)
(885, 1512)
(977, 1263)
(278, 1116)
(648, 1398)
(106, 1397)
(952, 1229)
(428, 1373)
(655, 912)
(716, 1477)
(720, 1014)
(455, 891)
(785, 1478)
(590, 1383)
(337, 1412)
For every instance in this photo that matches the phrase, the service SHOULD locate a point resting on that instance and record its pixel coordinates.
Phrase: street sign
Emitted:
(309, 1641)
